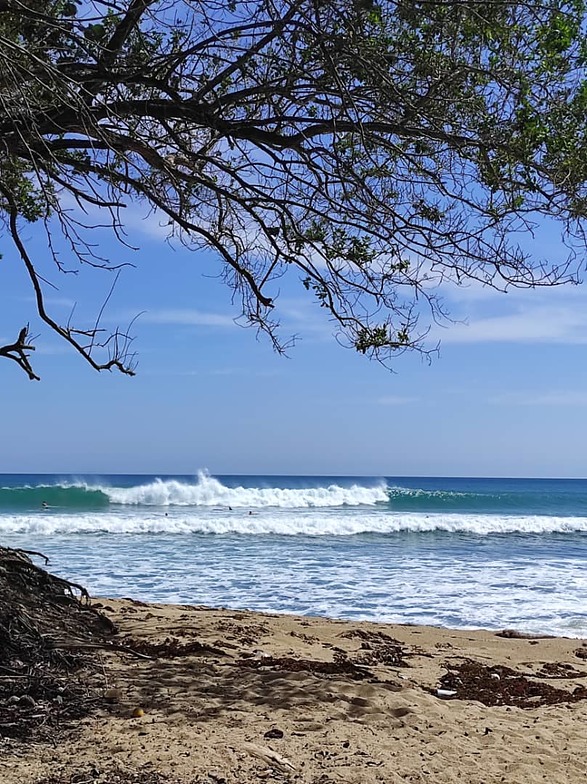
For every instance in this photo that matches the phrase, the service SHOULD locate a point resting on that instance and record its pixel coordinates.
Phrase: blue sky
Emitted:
(506, 397)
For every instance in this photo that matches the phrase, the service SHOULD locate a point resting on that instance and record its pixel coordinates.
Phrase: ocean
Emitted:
(461, 553)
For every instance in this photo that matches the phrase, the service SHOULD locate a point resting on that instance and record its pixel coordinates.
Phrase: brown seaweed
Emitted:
(500, 685)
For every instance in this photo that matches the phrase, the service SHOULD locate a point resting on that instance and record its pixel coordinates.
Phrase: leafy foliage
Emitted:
(375, 149)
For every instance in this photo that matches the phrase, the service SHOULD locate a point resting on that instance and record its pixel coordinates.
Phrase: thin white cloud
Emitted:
(304, 321)
(542, 324)
(60, 302)
(188, 317)
(149, 223)
(51, 301)
(135, 218)
(558, 398)
(471, 292)
(53, 349)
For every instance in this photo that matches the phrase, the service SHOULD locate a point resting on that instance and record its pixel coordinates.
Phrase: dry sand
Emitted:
(254, 704)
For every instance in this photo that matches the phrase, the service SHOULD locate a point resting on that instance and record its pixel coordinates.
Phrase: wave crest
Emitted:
(209, 492)
(284, 522)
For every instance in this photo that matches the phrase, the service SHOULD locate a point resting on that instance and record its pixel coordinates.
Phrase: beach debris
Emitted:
(27, 701)
(113, 695)
(111, 775)
(309, 638)
(472, 680)
(581, 653)
(246, 634)
(137, 713)
(257, 654)
(377, 647)
(446, 694)
(170, 648)
(271, 758)
(273, 733)
(100, 606)
(47, 627)
(136, 602)
(554, 670)
(513, 634)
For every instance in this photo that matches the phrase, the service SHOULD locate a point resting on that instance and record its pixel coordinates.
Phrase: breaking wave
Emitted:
(284, 522)
(206, 491)
(369, 505)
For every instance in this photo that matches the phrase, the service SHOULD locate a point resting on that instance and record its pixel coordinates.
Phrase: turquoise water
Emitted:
(467, 553)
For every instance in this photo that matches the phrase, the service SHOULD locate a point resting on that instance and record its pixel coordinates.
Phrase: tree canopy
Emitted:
(374, 149)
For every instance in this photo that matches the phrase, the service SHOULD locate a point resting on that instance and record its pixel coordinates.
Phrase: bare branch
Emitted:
(18, 351)
(120, 357)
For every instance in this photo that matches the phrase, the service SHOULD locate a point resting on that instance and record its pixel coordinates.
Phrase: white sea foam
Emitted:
(208, 492)
(535, 585)
(325, 522)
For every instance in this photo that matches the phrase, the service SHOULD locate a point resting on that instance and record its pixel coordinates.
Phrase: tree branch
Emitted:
(121, 359)
(17, 351)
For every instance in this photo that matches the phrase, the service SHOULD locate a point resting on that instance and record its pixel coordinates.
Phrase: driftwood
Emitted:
(47, 627)
(271, 758)
(513, 634)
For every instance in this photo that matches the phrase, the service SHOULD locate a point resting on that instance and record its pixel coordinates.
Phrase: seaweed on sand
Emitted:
(112, 776)
(170, 648)
(48, 633)
(499, 685)
(377, 647)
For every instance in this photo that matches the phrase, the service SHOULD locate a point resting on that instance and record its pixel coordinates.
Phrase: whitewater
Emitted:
(467, 553)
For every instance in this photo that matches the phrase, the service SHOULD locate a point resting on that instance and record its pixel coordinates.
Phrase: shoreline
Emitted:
(509, 632)
(230, 696)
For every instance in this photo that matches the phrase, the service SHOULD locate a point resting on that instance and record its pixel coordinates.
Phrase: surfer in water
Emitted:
(44, 505)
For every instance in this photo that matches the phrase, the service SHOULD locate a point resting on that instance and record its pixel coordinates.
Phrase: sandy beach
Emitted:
(225, 696)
